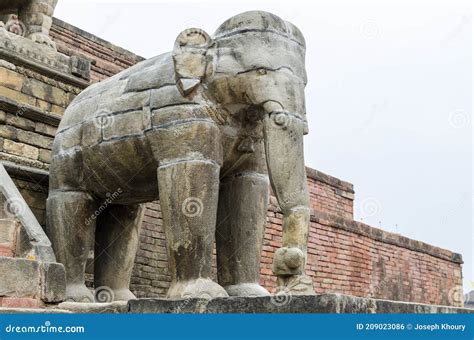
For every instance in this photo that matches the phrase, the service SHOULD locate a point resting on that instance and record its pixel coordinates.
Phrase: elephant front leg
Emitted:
(70, 227)
(188, 181)
(241, 221)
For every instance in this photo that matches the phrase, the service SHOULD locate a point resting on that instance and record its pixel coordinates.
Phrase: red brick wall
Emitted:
(107, 59)
(344, 256)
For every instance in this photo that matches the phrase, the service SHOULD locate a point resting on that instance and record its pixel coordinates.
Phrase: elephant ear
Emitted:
(189, 57)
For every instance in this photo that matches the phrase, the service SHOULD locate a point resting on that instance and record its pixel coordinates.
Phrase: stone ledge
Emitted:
(384, 236)
(8, 310)
(29, 111)
(45, 60)
(39, 176)
(330, 180)
(30, 279)
(324, 303)
(84, 308)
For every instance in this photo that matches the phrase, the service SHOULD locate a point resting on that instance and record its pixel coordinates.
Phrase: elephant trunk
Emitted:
(285, 161)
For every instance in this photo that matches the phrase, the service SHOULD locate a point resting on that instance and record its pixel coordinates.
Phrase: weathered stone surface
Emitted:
(247, 115)
(108, 308)
(35, 241)
(18, 310)
(20, 302)
(36, 19)
(34, 139)
(45, 129)
(20, 149)
(325, 303)
(53, 282)
(45, 92)
(11, 79)
(17, 96)
(44, 156)
(19, 122)
(22, 279)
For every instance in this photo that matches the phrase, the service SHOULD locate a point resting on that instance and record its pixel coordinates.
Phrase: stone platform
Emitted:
(324, 303)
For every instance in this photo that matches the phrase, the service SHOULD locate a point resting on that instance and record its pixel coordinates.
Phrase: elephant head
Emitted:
(256, 61)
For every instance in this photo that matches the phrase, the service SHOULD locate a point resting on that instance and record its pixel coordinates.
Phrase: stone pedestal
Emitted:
(324, 303)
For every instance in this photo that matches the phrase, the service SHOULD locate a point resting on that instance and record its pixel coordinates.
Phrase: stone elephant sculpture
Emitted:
(204, 128)
(30, 18)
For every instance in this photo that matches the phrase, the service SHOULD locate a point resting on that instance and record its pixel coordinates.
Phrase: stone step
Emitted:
(29, 283)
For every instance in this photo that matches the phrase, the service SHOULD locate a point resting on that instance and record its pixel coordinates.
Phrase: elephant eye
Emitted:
(262, 71)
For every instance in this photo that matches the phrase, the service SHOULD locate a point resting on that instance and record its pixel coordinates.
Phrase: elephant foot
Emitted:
(246, 289)
(78, 293)
(123, 295)
(295, 285)
(198, 288)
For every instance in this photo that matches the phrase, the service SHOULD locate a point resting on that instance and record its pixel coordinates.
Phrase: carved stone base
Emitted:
(324, 303)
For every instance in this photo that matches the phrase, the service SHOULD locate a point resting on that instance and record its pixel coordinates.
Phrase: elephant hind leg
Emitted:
(70, 227)
(117, 236)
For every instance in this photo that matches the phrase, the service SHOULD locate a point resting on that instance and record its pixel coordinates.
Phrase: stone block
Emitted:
(19, 122)
(44, 91)
(7, 132)
(20, 277)
(80, 67)
(45, 156)
(17, 96)
(45, 129)
(53, 282)
(20, 149)
(34, 139)
(15, 302)
(57, 109)
(11, 79)
(96, 308)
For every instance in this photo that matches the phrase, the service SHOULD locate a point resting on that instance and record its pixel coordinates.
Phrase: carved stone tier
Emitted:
(21, 51)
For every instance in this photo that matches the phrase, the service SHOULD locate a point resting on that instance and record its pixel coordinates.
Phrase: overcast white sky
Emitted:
(389, 98)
